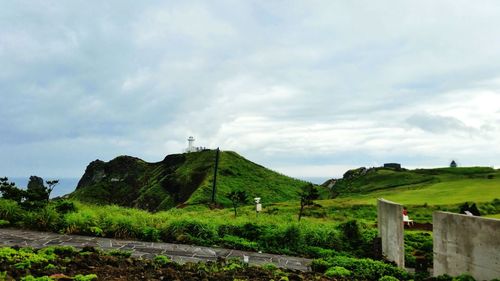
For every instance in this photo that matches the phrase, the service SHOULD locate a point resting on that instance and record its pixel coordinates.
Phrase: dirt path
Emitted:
(178, 252)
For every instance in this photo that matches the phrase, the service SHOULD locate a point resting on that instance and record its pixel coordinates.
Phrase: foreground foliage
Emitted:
(66, 263)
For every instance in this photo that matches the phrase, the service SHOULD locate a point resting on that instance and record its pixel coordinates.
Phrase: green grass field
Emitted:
(441, 193)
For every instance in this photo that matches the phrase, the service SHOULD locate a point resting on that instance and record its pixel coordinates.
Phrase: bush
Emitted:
(10, 210)
(239, 243)
(338, 272)
(120, 253)
(418, 244)
(388, 278)
(365, 269)
(65, 206)
(88, 277)
(150, 234)
(81, 222)
(46, 218)
(317, 252)
(162, 260)
(351, 233)
(464, 277)
(122, 227)
(191, 232)
(31, 278)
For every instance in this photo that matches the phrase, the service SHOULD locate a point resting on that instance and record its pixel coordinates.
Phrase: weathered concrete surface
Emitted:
(390, 230)
(177, 252)
(466, 244)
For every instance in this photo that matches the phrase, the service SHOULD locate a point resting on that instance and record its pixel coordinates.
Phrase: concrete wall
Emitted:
(466, 244)
(390, 230)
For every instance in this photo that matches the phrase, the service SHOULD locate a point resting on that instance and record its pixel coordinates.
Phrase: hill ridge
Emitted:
(180, 179)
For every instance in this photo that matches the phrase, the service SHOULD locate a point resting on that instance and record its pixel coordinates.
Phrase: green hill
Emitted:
(180, 179)
(420, 186)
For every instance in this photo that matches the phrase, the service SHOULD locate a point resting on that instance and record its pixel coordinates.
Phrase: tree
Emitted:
(37, 194)
(9, 190)
(307, 195)
(51, 185)
(237, 198)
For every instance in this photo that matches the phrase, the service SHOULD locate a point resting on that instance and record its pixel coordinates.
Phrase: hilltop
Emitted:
(180, 179)
(438, 185)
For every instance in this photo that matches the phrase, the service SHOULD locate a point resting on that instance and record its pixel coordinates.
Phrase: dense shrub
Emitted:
(318, 252)
(46, 218)
(190, 232)
(338, 272)
(122, 227)
(418, 244)
(388, 278)
(364, 269)
(239, 243)
(464, 277)
(80, 222)
(65, 206)
(10, 210)
(150, 234)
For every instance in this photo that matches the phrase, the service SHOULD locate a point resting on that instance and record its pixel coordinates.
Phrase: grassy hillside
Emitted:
(237, 173)
(432, 186)
(180, 179)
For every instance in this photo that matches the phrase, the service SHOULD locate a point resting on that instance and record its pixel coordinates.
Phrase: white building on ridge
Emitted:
(191, 147)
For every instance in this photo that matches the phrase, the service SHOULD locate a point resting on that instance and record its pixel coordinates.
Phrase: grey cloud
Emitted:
(437, 124)
(146, 75)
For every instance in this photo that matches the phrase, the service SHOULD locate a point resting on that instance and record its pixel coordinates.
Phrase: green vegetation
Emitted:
(441, 186)
(358, 269)
(307, 195)
(181, 179)
(239, 197)
(339, 232)
(88, 264)
(36, 195)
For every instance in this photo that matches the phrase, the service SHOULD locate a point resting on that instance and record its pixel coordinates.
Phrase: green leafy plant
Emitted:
(308, 194)
(162, 260)
(88, 277)
(337, 272)
(32, 278)
(120, 253)
(237, 198)
(388, 278)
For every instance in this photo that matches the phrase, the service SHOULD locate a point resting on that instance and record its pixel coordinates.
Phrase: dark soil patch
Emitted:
(108, 267)
(420, 226)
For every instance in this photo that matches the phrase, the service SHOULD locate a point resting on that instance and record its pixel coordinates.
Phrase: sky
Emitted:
(306, 88)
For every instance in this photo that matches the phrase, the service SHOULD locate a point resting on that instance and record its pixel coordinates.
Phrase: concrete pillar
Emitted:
(466, 244)
(391, 230)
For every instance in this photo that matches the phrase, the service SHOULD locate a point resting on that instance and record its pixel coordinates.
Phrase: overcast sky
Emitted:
(307, 88)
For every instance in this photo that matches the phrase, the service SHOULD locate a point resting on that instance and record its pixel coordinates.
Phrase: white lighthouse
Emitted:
(190, 148)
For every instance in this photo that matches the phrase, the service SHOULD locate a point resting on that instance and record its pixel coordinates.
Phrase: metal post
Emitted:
(214, 187)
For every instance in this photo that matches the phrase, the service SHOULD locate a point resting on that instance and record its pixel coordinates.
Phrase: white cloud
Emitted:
(300, 87)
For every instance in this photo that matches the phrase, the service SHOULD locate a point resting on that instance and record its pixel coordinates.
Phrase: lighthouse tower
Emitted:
(190, 148)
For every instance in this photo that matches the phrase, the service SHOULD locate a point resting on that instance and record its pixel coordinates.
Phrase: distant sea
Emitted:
(64, 187)
(315, 180)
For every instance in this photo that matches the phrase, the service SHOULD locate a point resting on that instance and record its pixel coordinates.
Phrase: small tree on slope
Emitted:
(307, 195)
(237, 198)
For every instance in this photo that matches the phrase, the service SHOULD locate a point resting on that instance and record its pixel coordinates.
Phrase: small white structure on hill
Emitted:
(191, 147)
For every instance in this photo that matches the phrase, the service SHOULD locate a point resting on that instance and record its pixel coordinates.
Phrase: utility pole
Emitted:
(214, 187)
